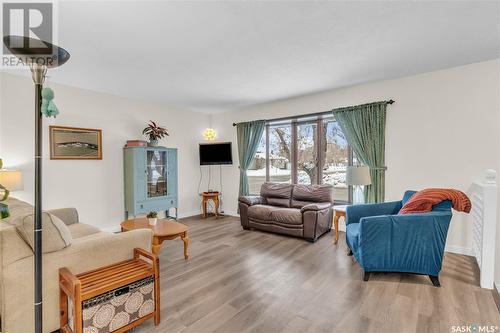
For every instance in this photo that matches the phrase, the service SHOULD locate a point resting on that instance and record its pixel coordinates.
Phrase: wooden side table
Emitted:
(205, 197)
(338, 212)
(163, 230)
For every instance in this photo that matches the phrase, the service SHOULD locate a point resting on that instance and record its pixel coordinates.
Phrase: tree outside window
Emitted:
(321, 157)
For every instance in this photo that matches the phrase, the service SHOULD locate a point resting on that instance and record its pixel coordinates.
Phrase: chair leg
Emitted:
(435, 281)
(366, 276)
(349, 248)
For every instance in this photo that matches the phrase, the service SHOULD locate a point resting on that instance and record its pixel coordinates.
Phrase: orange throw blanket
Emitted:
(422, 201)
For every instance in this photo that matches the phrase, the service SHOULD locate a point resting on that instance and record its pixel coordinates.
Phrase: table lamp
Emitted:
(12, 180)
(358, 176)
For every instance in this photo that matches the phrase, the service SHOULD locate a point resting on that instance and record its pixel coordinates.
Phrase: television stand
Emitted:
(205, 197)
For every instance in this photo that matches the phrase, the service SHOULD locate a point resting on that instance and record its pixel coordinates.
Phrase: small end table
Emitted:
(163, 230)
(338, 212)
(214, 196)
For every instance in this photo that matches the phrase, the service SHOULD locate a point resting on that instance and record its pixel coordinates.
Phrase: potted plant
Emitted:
(152, 218)
(154, 132)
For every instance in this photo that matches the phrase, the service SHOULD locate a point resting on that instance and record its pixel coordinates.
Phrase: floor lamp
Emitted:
(38, 59)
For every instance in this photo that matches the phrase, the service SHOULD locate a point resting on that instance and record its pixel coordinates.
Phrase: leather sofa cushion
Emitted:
(286, 215)
(251, 200)
(277, 194)
(278, 202)
(260, 212)
(305, 194)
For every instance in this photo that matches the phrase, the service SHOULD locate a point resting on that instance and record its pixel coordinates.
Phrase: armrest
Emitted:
(316, 206)
(155, 261)
(413, 242)
(251, 200)
(67, 215)
(68, 282)
(101, 250)
(355, 212)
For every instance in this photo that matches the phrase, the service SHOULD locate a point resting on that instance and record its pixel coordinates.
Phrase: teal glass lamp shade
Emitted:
(57, 55)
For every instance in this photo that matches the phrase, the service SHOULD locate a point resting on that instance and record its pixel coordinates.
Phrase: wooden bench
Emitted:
(85, 286)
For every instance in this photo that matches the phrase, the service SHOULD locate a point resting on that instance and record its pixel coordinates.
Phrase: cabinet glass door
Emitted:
(156, 171)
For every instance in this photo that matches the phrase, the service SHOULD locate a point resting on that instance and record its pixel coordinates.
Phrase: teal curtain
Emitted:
(364, 129)
(249, 135)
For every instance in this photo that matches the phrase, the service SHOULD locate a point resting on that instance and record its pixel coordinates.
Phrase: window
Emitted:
(280, 153)
(303, 150)
(336, 159)
(257, 172)
(307, 153)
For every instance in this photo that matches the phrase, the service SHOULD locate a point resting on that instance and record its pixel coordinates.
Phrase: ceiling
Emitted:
(218, 56)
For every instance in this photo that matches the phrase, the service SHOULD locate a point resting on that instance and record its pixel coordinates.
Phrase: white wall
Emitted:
(443, 131)
(95, 188)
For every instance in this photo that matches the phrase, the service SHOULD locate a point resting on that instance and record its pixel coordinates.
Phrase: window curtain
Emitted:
(364, 129)
(249, 135)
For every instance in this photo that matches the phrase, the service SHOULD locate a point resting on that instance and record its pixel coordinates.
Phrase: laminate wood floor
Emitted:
(251, 281)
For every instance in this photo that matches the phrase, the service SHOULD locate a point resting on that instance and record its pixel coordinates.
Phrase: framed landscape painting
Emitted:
(71, 143)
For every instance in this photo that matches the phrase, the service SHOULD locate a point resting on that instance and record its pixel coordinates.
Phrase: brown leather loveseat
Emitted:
(298, 210)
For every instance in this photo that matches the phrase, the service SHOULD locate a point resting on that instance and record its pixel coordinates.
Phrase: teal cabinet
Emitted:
(150, 180)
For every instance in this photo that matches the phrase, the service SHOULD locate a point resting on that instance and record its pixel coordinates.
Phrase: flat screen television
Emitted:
(216, 153)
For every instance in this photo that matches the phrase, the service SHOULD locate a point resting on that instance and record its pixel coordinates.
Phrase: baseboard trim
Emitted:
(231, 213)
(188, 214)
(459, 250)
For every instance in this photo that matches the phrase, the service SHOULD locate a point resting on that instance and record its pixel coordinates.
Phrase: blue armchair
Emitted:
(382, 241)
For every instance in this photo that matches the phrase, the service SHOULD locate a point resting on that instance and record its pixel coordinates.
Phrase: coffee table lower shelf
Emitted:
(131, 287)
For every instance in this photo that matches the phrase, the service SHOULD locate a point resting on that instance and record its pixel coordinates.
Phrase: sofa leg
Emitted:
(435, 281)
(366, 276)
(245, 228)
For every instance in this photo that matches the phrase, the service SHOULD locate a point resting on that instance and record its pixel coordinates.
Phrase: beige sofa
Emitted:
(69, 243)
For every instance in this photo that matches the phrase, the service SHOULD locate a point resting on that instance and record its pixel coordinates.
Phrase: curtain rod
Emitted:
(324, 113)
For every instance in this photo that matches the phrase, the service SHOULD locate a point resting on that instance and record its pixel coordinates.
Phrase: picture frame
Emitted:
(74, 143)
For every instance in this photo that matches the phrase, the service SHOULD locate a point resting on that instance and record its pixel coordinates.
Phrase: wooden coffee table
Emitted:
(163, 230)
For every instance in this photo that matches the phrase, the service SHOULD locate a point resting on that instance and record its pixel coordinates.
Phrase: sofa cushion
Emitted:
(305, 194)
(286, 215)
(55, 235)
(260, 212)
(79, 230)
(276, 194)
(251, 200)
(67, 215)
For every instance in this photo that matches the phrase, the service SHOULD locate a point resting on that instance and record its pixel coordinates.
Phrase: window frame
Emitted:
(294, 122)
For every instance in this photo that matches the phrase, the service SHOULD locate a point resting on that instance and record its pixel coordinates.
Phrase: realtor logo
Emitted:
(27, 19)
